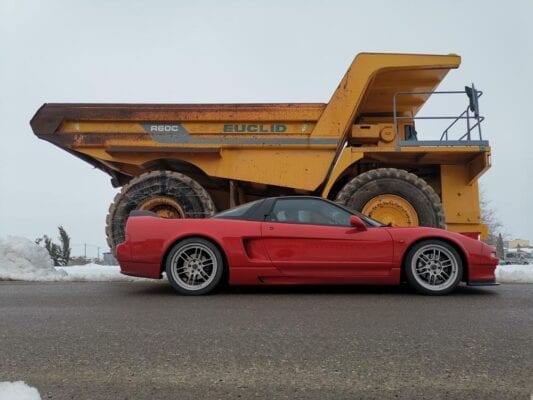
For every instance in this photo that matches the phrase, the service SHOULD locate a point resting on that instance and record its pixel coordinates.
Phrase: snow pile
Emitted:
(21, 259)
(18, 391)
(96, 273)
(514, 273)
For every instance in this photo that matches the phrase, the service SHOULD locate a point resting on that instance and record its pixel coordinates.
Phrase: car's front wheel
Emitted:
(194, 266)
(433, 267)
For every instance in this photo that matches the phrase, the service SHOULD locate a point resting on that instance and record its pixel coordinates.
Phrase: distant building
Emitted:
(109, 259)
(516, 243)
(519, 251)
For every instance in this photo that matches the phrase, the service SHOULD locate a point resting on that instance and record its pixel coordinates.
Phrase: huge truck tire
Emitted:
(169, 194)
(393, 196)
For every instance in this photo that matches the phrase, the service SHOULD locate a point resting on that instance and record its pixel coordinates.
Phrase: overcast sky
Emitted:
(238, 51)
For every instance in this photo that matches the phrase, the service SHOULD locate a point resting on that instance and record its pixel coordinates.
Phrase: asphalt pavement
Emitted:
(141, 341)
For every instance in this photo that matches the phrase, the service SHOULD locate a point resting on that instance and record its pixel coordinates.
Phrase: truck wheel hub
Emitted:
(163, 206)
(391, 209)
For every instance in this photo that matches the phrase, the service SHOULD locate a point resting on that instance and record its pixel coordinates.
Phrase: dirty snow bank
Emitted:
(97, 273)
(21, 259)
(514, 273)
(18, 391)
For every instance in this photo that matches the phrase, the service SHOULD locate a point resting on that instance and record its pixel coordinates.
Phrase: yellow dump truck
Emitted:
(361, 149)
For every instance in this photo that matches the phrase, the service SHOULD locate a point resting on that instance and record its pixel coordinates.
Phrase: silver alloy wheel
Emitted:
(194, 266)
(434, 267)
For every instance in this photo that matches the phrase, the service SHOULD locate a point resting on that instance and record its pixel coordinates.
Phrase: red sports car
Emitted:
(299, 240)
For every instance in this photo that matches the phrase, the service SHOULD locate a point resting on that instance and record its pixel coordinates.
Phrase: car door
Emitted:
(310, 237)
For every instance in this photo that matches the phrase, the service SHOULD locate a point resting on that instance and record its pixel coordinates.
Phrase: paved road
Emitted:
(140, 341)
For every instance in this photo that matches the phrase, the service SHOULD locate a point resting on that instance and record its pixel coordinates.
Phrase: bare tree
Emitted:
(490, 217)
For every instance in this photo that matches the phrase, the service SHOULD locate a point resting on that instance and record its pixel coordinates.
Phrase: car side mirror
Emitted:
(358, 223)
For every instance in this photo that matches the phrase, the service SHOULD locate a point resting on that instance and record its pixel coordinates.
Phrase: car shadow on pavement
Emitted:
(403, 290)
(165, 289)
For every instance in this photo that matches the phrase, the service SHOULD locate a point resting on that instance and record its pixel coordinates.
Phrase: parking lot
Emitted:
(140, 340)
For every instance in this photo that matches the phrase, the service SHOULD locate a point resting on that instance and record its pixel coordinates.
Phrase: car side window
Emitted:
(237, 212)
(309, 211)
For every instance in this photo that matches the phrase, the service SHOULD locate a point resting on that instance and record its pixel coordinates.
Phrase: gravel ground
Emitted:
(140, 340)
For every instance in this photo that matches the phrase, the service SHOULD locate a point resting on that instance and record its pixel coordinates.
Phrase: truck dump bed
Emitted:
(270, 137)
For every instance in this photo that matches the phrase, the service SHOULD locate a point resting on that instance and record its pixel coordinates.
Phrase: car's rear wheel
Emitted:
(433, 267)
(194, 266)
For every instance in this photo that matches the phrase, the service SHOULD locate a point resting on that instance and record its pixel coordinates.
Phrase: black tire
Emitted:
(185, 261)
(382, 181)
(433, 276)
(193, 199)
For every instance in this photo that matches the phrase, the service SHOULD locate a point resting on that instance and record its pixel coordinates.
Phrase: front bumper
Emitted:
(483, 273)
(482, 283)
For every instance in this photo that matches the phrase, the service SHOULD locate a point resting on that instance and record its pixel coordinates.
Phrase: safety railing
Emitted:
(471, 117)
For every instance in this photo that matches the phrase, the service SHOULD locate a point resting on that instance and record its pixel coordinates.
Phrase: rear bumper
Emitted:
(132, 268)
(142, 270)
